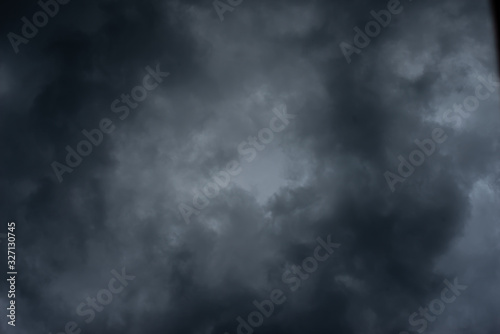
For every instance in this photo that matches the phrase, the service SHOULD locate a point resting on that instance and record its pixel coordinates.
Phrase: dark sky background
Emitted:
(323, 175)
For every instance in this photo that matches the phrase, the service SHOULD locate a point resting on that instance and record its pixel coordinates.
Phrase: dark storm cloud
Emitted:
(119, 208)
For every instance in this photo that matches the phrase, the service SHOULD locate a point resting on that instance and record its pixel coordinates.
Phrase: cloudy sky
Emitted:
(275, 127)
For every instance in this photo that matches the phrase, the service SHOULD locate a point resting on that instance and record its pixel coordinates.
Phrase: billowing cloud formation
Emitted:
(116, 214)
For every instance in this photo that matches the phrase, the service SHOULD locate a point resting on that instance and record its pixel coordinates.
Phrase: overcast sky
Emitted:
(329, 170)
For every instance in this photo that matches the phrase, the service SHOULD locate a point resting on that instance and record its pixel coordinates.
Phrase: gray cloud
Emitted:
(323, 176)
